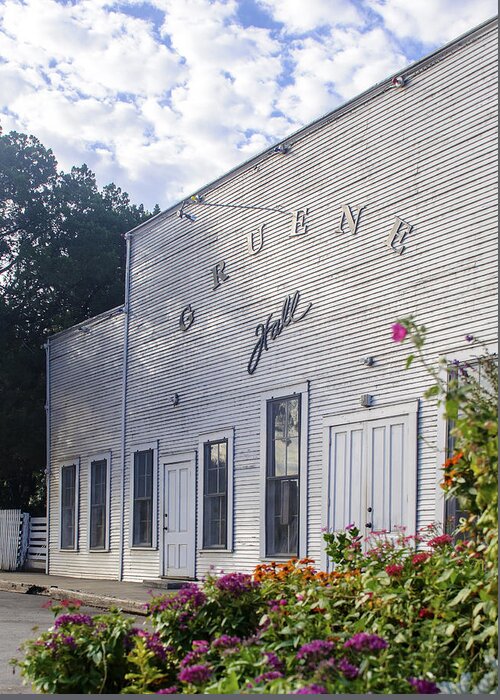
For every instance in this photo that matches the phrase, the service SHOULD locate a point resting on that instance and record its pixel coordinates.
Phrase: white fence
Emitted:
(10, 536)
(37, 544)
(23, 541)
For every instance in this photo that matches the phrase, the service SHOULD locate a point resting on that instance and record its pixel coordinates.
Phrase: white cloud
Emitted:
(163, 96)
(433, 21)
(303, 15)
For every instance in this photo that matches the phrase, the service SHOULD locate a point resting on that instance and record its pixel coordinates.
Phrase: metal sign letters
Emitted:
(271, 329)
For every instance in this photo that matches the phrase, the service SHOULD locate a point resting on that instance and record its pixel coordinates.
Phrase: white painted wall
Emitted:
(426, 153)
(85, 403)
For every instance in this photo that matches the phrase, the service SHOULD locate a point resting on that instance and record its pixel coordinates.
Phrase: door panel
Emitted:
(372, 471)
(386, 443)
(179, 518)
(346, 469)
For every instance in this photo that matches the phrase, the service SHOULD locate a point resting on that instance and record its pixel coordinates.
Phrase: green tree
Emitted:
(62, 259)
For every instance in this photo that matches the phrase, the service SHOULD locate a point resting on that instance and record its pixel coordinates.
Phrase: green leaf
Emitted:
(409, 360)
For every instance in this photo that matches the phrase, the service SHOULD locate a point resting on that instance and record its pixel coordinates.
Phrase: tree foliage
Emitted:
(62, 259)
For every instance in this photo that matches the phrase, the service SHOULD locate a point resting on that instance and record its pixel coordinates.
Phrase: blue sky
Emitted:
(163, 96)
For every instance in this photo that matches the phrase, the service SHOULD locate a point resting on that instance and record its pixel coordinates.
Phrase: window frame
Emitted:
(218, 436)
(464, 354)
(98, 457)
(144, 447)
(302, 391)
(76, 518)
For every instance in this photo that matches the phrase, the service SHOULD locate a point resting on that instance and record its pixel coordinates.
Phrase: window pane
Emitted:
(279, 458)
(215, 494)
(282, 483)
(98, 505)
(68, 503)
(143, 499)
(282, 517)
(292, 456)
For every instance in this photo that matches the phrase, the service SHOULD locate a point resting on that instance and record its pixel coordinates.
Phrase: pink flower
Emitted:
(399, 332)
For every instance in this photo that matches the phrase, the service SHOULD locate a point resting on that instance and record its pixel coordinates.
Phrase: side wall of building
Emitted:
(425, 153)
(85, 371)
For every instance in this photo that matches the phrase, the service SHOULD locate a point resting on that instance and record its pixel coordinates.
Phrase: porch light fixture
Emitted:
(366, 400)
(175, 399)
(368, 361)
(281, 148)
(398, 81)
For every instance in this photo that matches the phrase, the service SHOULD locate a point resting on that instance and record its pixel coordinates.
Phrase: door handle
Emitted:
(165, 527)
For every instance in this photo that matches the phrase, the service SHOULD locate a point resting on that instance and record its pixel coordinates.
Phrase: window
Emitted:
(143, 499)
(282, 476)
(472, 371)
(99, 494)
(215, 495)
(68, 506)
(215, 528)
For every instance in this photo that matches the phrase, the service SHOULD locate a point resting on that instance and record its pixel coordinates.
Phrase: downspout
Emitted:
(47, 447)
(124, 404)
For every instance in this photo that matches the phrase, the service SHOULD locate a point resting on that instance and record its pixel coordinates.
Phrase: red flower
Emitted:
(425, 612)
(420, 558)
(394, 569)
(440, 541)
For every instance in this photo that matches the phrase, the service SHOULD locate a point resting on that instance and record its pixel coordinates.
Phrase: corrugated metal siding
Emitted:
(425, 153)
(86, 380)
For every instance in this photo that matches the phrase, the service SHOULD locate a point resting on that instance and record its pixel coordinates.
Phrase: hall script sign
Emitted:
(271, 328)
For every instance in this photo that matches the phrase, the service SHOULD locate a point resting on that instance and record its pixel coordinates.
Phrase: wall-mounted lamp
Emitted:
(368, 361)
(281, 149)
(184, 215)
(175, 399)
(84, 329)
(366, 400)
(398, 81)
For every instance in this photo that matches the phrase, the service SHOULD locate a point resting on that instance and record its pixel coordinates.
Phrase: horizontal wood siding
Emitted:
(426, 153)
(85, 402)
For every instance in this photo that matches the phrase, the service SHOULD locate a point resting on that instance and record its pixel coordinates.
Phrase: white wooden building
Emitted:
(230, 409)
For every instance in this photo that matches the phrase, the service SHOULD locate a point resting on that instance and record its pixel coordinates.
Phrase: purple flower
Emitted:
(315, 651)
(311, 690)
(225, 641)
(154, 644)
(200, 647)
(366, 642)
(350, 526)
(189, 596)
(72, 619)
(268, 676)
(196, 675)
(469, 338)
(273, 661)
(236, 584)
(349, 670)
(424, 686)
(168, 691)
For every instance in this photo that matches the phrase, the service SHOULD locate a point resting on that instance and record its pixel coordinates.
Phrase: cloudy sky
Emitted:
(163, 96)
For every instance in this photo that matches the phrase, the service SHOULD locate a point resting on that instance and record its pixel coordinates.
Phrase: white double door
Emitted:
(372, 469)
(178, 516)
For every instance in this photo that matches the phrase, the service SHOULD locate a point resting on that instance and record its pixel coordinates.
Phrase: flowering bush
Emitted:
(404, 613)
